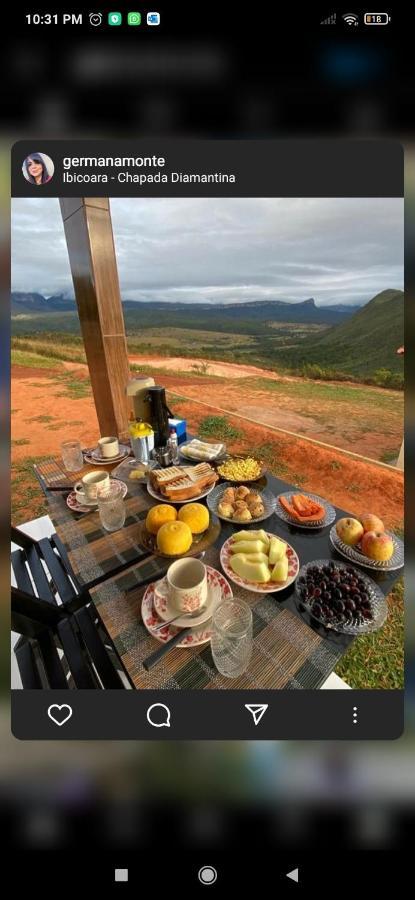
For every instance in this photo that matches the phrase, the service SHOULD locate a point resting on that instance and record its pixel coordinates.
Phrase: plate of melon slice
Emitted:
(259, 561)
(304, 510)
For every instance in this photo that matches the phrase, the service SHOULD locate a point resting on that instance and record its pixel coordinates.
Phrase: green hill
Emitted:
(360, 346)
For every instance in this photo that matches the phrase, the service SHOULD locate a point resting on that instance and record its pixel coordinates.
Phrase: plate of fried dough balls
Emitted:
(241, 504)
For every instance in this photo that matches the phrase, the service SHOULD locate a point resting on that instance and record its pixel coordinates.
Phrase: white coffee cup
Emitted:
(187, 584)
(109, 447)
(92, 485)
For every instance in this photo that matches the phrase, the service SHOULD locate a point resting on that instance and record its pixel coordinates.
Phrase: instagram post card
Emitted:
(207, 448)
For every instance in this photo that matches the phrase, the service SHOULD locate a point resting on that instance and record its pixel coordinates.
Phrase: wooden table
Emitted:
(290, 651)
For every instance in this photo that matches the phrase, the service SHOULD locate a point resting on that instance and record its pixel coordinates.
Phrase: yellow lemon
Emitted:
(196, 517)
(174, 538)
(158, 515)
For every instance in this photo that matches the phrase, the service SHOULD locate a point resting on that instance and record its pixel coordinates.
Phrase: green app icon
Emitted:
(114, 18)
(134, 18)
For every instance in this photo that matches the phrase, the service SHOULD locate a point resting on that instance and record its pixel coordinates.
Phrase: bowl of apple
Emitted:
(366, 541)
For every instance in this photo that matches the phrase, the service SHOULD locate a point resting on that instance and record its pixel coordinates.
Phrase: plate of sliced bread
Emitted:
(182, 484)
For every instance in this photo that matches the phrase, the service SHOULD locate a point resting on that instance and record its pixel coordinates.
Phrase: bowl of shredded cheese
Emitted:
(241, 469)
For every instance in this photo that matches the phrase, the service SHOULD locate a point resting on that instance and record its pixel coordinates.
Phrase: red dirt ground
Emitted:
(354, 485)
(345, 415)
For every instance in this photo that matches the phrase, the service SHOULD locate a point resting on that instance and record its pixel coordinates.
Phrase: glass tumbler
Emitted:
(73, 459)
(111, 507)
(231, 641)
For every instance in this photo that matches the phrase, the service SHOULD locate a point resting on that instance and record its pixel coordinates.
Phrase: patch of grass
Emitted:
(176, 398)
(58, 425)
(377, 660)
(52, 346)
(74, 388)
(27, 499)
(335, 465)
(337, 393)
(298, 480)
(33, 360)
(389, 456)
(201, 368)
(41, 419)
(20, 442)
(177, 373)
(218, 427)
(270, 454)
(266, 452)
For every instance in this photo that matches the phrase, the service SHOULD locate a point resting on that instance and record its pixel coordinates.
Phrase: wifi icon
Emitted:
(350, 19)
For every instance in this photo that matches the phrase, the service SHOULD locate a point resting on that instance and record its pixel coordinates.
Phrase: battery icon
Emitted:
(377, 18)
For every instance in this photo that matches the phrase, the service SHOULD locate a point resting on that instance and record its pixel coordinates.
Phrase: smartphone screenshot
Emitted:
(210, 588)
(209, 247)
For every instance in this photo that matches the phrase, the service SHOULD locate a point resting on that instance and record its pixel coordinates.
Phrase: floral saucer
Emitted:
(76, 506)
(155, 608)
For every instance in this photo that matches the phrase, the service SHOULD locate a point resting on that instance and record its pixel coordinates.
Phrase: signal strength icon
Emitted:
(331, 20)
(350, 19)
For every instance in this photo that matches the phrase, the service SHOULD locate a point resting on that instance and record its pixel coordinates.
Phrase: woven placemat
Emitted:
(95, 553)
(287, 653)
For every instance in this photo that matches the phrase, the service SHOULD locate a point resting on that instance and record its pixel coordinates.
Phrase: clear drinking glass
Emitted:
(231, 640)
(111, 507)
(72, 456)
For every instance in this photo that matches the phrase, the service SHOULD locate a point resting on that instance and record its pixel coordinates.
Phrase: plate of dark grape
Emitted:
(340, 597)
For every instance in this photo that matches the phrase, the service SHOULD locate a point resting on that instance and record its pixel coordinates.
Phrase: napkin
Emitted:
(200, 450)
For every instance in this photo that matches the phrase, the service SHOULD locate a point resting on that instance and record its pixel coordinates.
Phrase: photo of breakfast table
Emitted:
(290, 649)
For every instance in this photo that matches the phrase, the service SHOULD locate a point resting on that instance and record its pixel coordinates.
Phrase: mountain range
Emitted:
(362, 344)
(306, 312)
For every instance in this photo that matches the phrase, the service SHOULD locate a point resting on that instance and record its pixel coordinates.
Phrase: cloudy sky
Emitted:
(226, 250)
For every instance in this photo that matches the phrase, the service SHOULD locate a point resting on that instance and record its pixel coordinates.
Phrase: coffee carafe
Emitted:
(159, 415)
(137, 391)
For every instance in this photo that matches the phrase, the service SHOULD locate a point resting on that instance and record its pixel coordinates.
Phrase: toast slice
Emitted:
(183, 482)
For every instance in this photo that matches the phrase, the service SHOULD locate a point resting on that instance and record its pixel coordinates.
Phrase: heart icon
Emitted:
(60, 714)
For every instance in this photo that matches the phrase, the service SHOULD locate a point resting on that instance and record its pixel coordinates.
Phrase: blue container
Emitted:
(179, 426)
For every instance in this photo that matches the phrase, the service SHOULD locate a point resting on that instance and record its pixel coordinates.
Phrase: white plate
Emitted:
(163, 499)
(198, 635)
(328, 518)
(271, 586)
(354, 554)
(94, 457)
(166, 611)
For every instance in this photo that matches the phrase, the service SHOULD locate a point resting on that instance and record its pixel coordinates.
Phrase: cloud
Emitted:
(341, 250)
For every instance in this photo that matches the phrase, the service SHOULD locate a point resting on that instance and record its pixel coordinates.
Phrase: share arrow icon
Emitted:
(257, 710)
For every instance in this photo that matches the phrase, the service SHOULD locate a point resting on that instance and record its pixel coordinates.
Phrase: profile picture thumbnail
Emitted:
(38, 168)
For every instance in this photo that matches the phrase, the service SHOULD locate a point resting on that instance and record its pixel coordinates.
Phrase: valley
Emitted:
(323, 343)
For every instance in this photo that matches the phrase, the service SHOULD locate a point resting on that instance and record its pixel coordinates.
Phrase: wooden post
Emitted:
(90, 242)
(401, 457)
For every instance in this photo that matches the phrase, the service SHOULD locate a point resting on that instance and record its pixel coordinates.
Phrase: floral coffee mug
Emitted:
(92, 484)
(187, 585)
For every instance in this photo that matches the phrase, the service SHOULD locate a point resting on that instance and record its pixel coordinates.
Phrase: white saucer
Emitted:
(164, 608)
(95, 457)
(198, 635)
(82, 501)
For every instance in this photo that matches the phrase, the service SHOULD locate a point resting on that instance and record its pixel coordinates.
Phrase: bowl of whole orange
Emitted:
(172, 533)
(159, 515)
